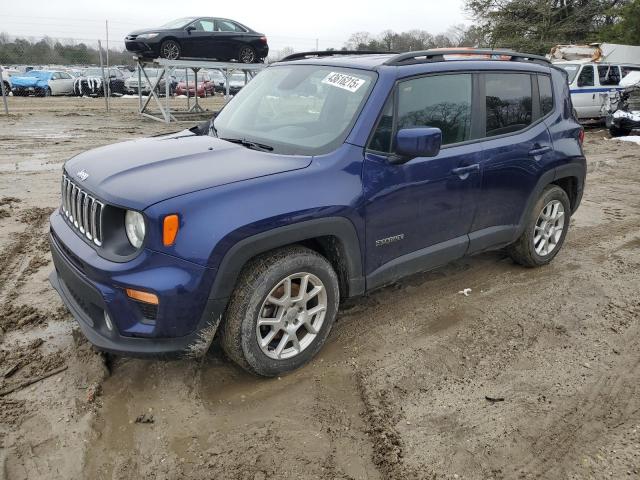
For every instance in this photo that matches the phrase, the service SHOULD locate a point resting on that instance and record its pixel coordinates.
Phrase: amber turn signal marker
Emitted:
(145, 297)
(170, 229)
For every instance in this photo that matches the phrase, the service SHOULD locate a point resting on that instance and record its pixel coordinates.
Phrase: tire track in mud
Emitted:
(18, 260)
(326, 414)
(380, 420)
(593, 235)
(608, 403)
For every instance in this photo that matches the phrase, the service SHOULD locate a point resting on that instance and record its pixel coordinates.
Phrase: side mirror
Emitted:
(190, 29)
(416, 142)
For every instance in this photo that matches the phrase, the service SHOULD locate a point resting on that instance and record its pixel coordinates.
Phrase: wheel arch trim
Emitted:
(576, 170)
(244, 250)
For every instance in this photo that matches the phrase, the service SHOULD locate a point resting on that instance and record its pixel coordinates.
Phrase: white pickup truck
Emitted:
(594, 73)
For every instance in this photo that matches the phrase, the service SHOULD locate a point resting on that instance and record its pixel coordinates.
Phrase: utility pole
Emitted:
(107, 87)
(4, 93)
(316, 44)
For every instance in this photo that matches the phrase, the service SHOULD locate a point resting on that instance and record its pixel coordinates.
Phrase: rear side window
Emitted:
(585, 79)
(227, 26)
(546, 94)
(627, 69)
(508, 102)
(608, 74)
(441, 101)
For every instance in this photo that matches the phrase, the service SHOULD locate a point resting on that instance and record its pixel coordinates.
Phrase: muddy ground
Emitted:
(535, 374)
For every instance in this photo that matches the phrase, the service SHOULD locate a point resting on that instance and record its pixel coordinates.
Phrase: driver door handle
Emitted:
(463, 172)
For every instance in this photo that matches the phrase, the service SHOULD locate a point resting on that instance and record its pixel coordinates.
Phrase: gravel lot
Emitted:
(536, 374)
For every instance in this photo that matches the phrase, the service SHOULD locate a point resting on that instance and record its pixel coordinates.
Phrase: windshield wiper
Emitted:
(248, 144)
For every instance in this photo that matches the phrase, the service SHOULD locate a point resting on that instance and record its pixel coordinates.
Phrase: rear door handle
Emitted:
(463, 172)
(539, 150)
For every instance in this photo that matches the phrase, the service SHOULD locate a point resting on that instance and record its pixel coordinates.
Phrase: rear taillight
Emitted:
(263, 39)
(581, 136)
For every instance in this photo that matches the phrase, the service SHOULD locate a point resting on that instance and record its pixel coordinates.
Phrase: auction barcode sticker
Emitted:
(346, 82)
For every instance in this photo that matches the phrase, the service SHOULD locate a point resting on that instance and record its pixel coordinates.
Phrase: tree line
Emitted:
(527, 25)
(532, 26)
(49, 51)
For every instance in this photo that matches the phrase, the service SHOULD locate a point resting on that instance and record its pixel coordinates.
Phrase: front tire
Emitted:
(170, 49)
(545, 231)
(281, 311)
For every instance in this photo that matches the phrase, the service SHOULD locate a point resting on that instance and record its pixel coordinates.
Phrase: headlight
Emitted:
(148, 35)
(134, 226)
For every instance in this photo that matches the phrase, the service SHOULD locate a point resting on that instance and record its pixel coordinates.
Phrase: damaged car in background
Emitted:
(594, 72)
(91, 82)
(622, 107)
(42, 83)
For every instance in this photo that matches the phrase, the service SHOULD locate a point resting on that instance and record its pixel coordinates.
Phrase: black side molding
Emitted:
(244, 250)
(419, 261)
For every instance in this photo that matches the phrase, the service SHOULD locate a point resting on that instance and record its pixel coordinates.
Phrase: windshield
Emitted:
(297, 110)
(179, 23)
(571, 69)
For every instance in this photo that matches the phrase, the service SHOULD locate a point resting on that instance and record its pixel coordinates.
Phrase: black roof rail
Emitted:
(331, 53)
(426, 56)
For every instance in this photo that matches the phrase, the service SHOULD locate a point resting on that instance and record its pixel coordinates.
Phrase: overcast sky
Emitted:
(286, 23)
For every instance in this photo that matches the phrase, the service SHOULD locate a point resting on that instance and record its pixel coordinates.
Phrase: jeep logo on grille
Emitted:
(82, 175)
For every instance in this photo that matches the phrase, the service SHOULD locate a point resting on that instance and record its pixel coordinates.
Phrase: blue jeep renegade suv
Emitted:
(327, 176)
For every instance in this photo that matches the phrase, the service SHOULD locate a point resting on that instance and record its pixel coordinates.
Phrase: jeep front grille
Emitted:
(82, 211)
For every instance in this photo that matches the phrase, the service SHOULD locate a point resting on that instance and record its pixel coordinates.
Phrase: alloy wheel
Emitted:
(291, 316)
(170, 50)
(247, 55)
(548, 228)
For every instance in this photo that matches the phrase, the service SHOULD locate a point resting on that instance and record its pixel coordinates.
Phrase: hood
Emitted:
(139, 173)
(135, 33)
(631, 79)
(28, 81)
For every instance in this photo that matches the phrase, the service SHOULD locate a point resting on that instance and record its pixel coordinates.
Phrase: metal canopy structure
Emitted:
(167, 67)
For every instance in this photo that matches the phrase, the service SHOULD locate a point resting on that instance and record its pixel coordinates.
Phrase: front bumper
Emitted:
(186, 318)
(142, 48)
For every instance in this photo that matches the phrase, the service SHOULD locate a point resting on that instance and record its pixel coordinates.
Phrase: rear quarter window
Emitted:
(546, 94)
(508, 102)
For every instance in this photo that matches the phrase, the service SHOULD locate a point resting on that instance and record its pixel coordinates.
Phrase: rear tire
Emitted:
(545, 230)
(269, 291)
(247, 54)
